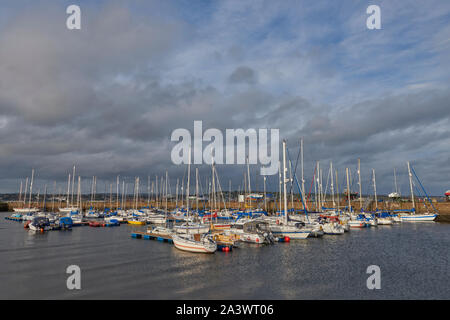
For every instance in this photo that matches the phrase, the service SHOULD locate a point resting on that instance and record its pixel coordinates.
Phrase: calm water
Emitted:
(414, 262)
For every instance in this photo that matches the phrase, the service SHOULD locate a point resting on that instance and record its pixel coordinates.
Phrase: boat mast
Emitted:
(25, 194)
(292, 186)
(319, 186)
(348, 192)
(45, 198)
(375, 190)
(68, 192)
(79, 194)
(148, 191)
(359, 183)
(265, 202)
(249, 186)
(73, 183)
(53, 198)
(284, 183)
(411, 186)
(395, 182)
(176, 194)
(20, 192)
(31, 188)
(332, 184)
(123, 194)
(117, 193)
(196, 188)
(188, 182)
(167, 178)
(279, 182)
(337, 190)
(303, 178)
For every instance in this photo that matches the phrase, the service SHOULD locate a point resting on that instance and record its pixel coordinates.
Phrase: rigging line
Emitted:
(296, 180)
(420, 183)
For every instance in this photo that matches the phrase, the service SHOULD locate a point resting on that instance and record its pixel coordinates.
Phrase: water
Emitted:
(413, 257)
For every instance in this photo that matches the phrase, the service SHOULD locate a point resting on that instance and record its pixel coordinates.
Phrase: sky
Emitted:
(106, 98)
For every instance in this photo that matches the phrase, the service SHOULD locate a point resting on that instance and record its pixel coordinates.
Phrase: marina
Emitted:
(286, 230)
(413, 257)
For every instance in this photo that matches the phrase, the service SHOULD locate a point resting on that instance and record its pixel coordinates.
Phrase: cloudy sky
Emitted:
(107, 97)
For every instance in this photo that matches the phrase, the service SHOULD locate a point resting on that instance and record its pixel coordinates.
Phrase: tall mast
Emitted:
(123, 194)
(110, 195)
(53, 198)
(332, 184)
(156, 192)
(117, 193)
(45, 198)
(319, 188)
(303, 178)
(20, 192)
(213, 186)
(395, 182)
(280, 182)
(291, 184)
(411, 186)
(73, 183)
(348, 191)
(176, 195)
(337, 190)
(359, 183)
(196, 188)
(25, 194)
(284, 183)
(68, 192)
(79, 195)
(31, 188)
(249, 185)
(148, 191)
(375, 190)
(167, 178)
(265, 202)
(188, 182)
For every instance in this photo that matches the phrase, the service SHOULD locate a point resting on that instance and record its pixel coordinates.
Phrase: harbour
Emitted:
(414, 259)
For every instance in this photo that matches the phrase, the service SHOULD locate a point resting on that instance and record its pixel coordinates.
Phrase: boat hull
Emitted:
(418, 217)
(193, 246)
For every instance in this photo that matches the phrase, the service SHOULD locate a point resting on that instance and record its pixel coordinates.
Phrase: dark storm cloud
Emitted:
(108, 97)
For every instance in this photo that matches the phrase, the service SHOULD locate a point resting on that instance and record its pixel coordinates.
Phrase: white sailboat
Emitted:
(194, 243)
(281, 228)
(413, 217)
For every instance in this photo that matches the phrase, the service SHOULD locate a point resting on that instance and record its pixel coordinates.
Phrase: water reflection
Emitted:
(414, 259)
